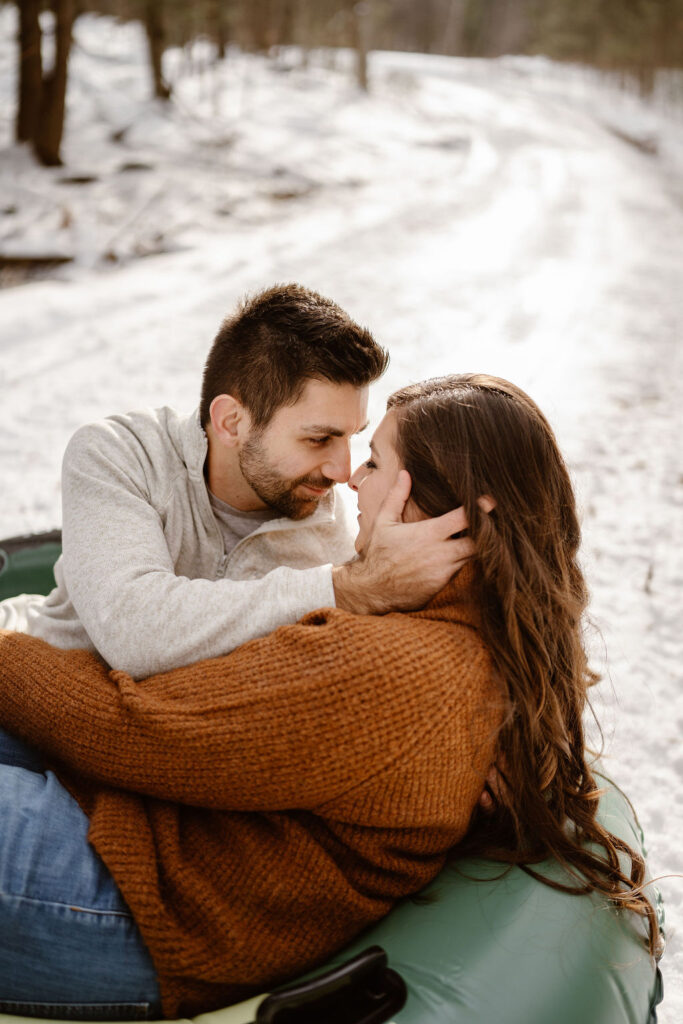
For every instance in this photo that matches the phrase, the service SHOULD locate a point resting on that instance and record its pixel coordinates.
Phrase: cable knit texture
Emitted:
(260, 809)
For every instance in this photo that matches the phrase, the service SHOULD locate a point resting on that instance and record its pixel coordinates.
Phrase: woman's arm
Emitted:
(290, 720)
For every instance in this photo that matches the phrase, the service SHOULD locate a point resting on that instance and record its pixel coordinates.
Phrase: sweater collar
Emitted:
(457, 601)
(194, 444)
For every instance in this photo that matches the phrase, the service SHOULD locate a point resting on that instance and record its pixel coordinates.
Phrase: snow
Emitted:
(512, 216)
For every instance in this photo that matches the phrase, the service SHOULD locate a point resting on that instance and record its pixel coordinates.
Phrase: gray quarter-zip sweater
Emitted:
(143, 578)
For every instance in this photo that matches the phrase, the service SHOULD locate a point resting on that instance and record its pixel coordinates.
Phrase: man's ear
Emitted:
(230, 421)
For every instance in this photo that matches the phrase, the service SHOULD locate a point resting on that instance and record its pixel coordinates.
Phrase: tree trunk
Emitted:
(48, 135)
(302, 30)
(452, 40)
(258, 18)
(217, 27)
(154, 27)
(30, 70)
(667, 37)
(511, 27)
(360, 16)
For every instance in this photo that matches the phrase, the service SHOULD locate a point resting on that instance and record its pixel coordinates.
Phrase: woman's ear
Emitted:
(486, 503)
(412, 513)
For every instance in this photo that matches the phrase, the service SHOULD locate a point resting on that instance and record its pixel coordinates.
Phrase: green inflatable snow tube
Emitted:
(482, 947)
(26, 564)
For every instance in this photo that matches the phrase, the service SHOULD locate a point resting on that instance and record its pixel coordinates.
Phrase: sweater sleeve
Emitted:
(138, 613)
(289, 721)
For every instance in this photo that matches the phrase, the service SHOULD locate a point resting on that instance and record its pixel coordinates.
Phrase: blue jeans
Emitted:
(69, 947)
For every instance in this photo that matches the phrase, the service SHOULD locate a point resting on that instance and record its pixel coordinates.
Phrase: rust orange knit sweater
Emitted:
(259, 810)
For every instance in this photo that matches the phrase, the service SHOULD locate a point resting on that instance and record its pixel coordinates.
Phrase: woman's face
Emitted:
(374, 478)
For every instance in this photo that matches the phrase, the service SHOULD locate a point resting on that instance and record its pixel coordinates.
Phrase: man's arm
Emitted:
(120, 575)
(144, 619)
(273, 726)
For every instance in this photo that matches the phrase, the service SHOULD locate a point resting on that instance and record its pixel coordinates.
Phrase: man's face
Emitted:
(292, 462)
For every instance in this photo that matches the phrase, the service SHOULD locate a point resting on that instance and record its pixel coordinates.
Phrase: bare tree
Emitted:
(42, 95)
(257, 16)
(47, 139)
(453, 19)
(359, 16)
(30, 70)
(216, 21)
(156, 40)
(507, 28)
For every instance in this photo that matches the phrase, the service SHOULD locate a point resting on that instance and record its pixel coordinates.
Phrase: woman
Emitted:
(258, 810)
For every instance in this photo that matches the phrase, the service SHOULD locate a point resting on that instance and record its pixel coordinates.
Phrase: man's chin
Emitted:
(297, 502)
(303, 509)
(296, 507)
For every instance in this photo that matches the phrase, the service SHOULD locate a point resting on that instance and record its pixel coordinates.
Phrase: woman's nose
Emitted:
(356, 478)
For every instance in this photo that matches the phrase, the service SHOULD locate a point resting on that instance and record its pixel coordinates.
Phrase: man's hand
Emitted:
(402, 565)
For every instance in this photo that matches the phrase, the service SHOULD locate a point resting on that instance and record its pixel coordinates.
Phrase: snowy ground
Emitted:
(514, 217)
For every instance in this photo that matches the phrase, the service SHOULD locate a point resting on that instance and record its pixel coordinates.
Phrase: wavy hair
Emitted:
(468, 435)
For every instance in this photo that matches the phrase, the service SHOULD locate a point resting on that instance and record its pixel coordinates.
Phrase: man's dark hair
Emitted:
(277, 340)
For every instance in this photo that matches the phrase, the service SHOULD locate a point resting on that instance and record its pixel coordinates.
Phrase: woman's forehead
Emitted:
(383, 441)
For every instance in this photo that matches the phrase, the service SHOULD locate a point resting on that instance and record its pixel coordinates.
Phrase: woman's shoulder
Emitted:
(437, 652)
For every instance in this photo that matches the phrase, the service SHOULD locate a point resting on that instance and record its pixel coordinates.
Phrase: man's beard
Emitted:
(273, 490)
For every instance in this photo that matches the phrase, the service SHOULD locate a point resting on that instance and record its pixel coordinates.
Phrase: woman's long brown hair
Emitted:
(469, 435)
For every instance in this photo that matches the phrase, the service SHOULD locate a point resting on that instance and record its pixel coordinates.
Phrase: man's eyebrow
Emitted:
(324, 428)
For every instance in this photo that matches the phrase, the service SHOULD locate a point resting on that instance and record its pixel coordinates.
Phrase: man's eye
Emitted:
(317, 440)
(370, 464)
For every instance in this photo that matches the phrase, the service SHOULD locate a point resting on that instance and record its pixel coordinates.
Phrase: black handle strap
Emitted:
(364, 990)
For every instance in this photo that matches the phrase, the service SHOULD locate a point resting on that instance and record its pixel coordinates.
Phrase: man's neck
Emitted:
(224, 477)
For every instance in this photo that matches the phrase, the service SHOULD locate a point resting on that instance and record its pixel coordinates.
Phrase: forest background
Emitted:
(632, 39)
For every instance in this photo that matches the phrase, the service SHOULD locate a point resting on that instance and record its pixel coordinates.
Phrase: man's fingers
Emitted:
(449, 523)
(461, 549)
(395, 501)
(456, 520)
(485, 800)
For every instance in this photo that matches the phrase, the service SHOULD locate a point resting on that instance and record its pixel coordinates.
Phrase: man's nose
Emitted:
(338, 465)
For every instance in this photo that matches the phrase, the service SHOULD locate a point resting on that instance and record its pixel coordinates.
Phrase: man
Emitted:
(184, 537)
